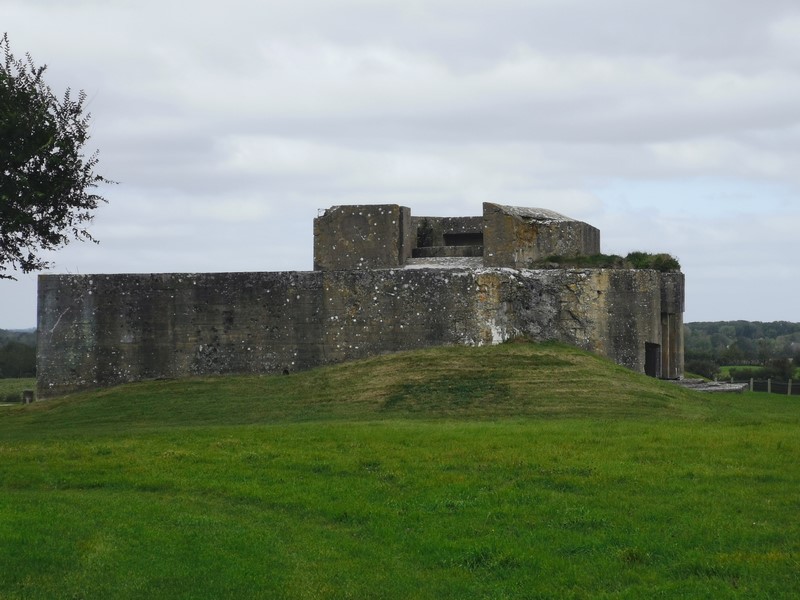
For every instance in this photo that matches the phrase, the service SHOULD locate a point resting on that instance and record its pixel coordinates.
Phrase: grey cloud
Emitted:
(229, 124)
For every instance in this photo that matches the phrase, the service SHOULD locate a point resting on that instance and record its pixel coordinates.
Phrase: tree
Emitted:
(17, 360)
(732, 355)
(796, 362)
(46, 183)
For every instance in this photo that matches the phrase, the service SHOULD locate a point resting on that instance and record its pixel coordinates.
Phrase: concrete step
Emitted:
(701, 385)
(447, 251)
(447, 262)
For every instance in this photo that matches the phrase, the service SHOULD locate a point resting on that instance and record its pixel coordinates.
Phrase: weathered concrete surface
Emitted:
(672, 340)
(100, 330)
(448, 252)
(387, 236)
(447, 231)
(382, 281)
(701, 385)
(363, 237)
(519, 237)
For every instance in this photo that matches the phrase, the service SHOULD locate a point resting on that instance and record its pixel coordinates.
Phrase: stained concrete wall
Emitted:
(672, 307)
(363, 237)
(101, 330)
(386, 236)
(518, 237)
(432, 231)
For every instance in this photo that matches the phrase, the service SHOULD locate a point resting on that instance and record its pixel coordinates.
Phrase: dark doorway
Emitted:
(652, 359)
(463, 239)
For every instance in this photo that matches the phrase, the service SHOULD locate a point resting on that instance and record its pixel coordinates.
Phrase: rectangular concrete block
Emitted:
(363, 237)
(520, 237)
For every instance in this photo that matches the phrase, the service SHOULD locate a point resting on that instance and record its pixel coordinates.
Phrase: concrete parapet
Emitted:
(519, 237)
(363, 237)
(448, 251)
(448, 231)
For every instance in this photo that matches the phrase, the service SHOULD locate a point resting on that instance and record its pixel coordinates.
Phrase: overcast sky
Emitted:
(671, 126)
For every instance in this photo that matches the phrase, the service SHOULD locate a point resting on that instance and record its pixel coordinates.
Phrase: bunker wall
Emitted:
(363, 237)
(101, 330)
(435, 231)
(513, 239)
(672, 308)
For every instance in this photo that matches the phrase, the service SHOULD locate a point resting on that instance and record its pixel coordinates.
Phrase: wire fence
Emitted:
(786, 388)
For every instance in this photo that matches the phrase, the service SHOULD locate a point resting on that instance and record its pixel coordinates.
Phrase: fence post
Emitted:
(789, 391)
(751, 384)
(769, 386)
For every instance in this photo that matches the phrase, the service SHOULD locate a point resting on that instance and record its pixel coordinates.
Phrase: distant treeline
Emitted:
(760, 350)
(17, 353)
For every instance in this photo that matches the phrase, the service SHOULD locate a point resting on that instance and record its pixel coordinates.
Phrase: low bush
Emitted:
(704, 366)
(780, 368)
(17, 359)
(659, 262)
(11, 389)
(664, 263)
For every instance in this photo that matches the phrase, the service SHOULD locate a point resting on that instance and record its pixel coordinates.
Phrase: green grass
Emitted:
(11, 389)
(516, 471)
(634, 260)
(725, 371)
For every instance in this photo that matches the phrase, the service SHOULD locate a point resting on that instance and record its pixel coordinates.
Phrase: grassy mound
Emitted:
(510, 380)
(514, 471)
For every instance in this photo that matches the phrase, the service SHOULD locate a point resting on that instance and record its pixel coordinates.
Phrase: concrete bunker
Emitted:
(383, 281)
(386, 236)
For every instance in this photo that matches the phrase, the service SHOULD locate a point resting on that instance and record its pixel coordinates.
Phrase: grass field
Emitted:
(515, 471)
(11, 389)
